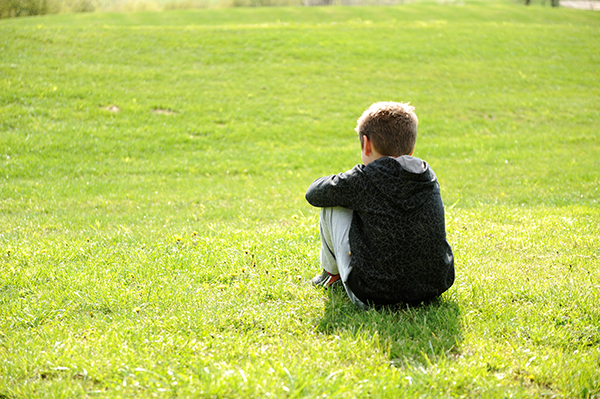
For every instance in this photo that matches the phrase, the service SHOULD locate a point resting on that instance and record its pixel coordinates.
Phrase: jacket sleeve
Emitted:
(335, 190)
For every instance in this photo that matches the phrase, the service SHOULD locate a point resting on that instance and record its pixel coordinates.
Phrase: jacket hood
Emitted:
(419, 180)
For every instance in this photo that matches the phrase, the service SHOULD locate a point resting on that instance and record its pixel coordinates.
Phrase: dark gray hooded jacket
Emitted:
(399, 251)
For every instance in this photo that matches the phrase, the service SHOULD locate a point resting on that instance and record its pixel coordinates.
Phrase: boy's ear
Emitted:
(367, 146)
(411, 151)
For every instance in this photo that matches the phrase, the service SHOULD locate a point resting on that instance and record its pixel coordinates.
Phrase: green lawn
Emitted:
(155, 240)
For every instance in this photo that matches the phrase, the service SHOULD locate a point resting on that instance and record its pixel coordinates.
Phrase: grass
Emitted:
(164, 249)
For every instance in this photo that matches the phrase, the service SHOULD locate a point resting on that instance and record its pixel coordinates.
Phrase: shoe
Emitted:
(326, 279)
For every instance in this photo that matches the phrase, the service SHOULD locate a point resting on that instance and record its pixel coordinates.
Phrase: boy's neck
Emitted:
(369, 154)
(372, 157)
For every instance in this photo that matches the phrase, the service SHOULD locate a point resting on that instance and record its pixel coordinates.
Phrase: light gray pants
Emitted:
(335, 248)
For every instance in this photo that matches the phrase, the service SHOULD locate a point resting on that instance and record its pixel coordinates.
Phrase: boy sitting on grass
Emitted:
(382, 225)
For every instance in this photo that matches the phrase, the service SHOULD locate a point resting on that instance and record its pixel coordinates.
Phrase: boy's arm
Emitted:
(335, 190)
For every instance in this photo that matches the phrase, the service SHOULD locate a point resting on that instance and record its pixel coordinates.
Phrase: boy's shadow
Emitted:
(420, 334)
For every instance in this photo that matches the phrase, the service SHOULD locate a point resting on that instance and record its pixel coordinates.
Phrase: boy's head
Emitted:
(390, 127)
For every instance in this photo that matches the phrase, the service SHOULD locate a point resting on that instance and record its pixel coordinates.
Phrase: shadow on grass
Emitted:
(414, 334)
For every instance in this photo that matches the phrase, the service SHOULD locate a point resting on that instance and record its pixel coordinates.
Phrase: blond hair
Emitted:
(390, 126)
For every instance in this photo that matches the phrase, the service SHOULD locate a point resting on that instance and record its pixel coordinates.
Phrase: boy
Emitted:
(382, 225)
